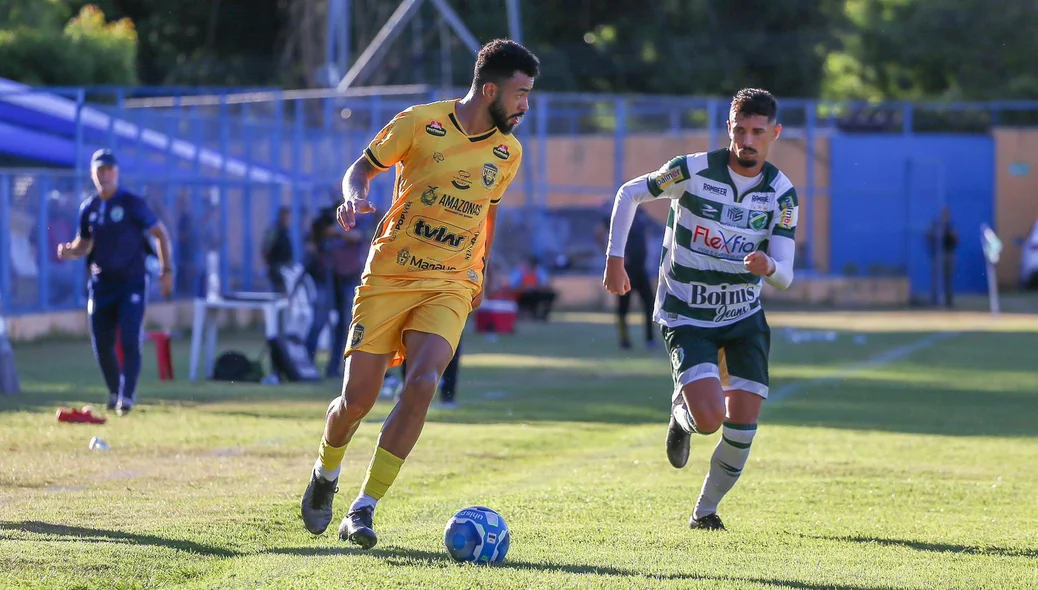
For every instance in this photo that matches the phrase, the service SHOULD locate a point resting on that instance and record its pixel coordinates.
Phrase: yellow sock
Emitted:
(381, 473)
(330, 458)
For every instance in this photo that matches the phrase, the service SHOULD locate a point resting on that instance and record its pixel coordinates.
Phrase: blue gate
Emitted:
(887, 193)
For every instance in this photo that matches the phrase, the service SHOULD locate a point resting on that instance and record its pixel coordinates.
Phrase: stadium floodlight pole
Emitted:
(515, 24)
(386, 35)
(458, 25)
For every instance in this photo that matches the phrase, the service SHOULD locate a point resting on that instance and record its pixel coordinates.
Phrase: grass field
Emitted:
(901, 454)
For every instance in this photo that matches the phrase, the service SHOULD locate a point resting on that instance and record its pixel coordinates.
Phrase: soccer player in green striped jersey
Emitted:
(732, 225)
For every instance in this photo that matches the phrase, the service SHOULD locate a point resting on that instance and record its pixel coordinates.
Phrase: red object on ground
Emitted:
(163, 353)
(497, 316)
(84, 415)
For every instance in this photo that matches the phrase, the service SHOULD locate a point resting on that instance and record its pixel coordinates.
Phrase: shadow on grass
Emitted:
(932, 547)
(605, 385)
(400, 556)
(90, 535)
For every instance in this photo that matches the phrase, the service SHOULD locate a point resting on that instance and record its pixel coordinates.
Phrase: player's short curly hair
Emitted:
(754, 101)
(500, 59)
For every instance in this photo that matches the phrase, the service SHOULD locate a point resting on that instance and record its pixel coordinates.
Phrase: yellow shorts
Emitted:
(384, 309)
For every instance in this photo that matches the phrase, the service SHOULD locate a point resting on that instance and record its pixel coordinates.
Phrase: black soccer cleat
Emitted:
(113, 401)
(677, 443)
(317, 503)
(710, 522)
(357, 528)
(124, 408)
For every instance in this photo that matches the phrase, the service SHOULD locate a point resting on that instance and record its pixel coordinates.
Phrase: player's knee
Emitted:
(354, 411)
(353, 405)
(336, 406)
(707, 418)
(420, 386)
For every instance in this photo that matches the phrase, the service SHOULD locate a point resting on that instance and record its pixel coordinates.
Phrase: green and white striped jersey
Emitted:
(712, 226)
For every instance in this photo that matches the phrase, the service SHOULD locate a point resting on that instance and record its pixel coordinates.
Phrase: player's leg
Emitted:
(746, 388)
(697, 405)
(431, 336)
(104, 326)
(360, 387)
(428, 355)
(642, 285)
(321, 308)
(378, 319)
(449, 383)
(131, 321)
(343, 301)
(623, 306)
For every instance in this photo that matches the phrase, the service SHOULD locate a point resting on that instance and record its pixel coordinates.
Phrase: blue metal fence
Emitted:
(216, 165)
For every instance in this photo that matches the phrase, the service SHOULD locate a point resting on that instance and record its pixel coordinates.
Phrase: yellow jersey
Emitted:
(446, 181)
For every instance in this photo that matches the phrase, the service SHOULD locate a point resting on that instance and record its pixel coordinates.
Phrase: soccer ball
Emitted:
(477, 534)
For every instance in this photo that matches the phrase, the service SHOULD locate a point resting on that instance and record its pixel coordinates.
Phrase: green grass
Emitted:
(913, 471)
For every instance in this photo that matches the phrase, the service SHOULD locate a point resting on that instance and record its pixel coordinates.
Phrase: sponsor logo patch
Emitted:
(436, 129)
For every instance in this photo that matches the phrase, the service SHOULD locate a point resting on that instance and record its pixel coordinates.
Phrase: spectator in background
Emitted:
(532, 288)
(63, 279)
(943, 240)
(636, 264)
(335, 260)
(277, 250)
(188, 240)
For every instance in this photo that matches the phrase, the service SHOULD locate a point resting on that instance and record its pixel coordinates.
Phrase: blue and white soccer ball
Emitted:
(477, 534)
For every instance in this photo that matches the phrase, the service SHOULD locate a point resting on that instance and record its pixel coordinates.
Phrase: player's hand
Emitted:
(63, 249)
(166, 283)
(759, 263)
(616, 280)
(348, 212)
(477, 300)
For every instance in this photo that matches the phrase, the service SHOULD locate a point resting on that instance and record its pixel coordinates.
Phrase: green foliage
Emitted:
(203, 42)
(699, 47)
(87, 51)
(46, 14)
(955, 50)
(861, 49)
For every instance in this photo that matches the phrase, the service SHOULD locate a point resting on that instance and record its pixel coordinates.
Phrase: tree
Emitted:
(203, 42)
(952, 49)
(86, 51)
(702, 47)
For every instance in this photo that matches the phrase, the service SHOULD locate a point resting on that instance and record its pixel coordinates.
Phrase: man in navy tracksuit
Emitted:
(114, 229)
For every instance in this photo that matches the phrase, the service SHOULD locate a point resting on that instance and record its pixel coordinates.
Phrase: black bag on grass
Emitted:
(235, 366)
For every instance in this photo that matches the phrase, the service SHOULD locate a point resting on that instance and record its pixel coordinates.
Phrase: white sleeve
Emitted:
(664, 182)
(782, 243)
(631, 194)
(782, 251)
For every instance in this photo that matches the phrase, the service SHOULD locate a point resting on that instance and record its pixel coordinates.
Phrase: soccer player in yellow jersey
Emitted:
(424, 274)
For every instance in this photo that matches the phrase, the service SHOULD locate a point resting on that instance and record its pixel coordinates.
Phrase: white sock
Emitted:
(726, 466)
(683, 418)
(363, 501)
(327, 475)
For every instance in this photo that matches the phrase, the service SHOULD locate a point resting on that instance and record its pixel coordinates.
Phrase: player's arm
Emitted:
(356, 184)
(77, 248)
(165, 253)
(145, 218)
(83, 243)
(491, 226)
(388, 147)
(488, 247)
(776, 265)
(663, 183)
